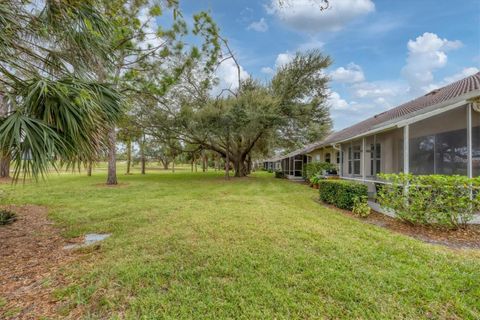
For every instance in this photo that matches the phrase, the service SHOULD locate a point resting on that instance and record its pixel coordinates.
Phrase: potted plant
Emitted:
(314, 181)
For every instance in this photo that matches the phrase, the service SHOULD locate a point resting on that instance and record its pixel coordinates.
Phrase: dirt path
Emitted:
(31, 257)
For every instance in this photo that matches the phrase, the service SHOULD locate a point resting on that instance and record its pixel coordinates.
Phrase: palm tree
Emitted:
(55, 113)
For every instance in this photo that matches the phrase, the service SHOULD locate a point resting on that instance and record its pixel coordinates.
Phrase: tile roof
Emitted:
(445, 94)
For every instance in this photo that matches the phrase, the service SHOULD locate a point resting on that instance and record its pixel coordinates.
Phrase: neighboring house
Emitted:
(272, 164)
(438, 133)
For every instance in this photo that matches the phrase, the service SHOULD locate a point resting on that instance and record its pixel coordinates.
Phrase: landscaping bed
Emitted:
(31, 256)
(467, 238)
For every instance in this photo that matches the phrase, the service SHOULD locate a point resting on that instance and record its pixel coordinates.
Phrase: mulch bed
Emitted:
(31, 256)
(468, 238)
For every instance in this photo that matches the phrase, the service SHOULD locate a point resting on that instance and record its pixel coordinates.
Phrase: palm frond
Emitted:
(31, 143)
(69, 116)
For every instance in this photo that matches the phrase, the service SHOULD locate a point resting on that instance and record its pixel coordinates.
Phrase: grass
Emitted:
(192, 245)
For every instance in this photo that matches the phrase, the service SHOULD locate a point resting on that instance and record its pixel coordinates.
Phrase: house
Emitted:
(438, 133)
(272, 164)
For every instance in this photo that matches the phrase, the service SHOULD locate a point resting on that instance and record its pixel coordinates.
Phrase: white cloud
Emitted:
(455, 77)
(306, 15)
(267, 70)
(151, 40)
(460, 75)
(259, 26)
(361, 99)
(227, 74)
(380, 101)
(371, 90)
(283, 59)
(426, 54)
(336, 102)
(352, 73)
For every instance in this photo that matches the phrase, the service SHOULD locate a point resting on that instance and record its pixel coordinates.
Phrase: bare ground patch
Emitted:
(31, 256)
(5, 180)
(118, 185)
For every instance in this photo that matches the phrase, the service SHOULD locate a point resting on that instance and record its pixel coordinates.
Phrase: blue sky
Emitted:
(384, 52)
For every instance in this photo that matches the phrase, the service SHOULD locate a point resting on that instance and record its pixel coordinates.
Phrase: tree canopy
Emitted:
(290, 110)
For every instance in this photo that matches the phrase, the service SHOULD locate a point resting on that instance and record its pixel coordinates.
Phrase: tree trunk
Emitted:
(193, 160)
(112, 161)
(129, 155)
(227, 156)
(5, 166)
(239, 167)
(165, 164)
(249, 165)
(89, 168)
(227, 167)
(173, 165)
(203, 162)
(142, 156)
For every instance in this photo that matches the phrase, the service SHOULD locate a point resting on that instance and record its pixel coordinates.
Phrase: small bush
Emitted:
(7, 217)
(447, 201)
(342, 193)
(316, 168)
(315, 179)
(361, 207)
(279, 174)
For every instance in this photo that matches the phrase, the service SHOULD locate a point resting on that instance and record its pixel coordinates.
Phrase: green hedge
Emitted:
(279, 174)
(315, 168)
(447, 201)
(341, 193)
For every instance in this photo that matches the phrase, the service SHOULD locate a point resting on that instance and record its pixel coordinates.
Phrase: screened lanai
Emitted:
(438, 133)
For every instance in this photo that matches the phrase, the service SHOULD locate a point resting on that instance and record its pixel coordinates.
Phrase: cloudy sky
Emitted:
(385, 52)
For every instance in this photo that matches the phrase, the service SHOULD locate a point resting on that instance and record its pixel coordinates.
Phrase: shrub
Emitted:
(315, 179)
(316, 168)
(361, 207)
(447, 201)
(7, 217)
(342, 193)
(279, 174)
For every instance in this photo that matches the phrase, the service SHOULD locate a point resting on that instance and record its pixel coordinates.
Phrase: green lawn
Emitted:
(194, 246)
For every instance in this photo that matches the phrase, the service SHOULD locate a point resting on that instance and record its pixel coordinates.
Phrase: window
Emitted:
(338, 157)
(375, 162)
(327, 158)
(438, 145)
(317, 158)
(476, 144)
(350, 156)
(354, 155)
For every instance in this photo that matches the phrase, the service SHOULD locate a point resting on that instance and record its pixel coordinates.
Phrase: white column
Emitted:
(341, 162)
(469, 141)
(406, 149)
(364, 145)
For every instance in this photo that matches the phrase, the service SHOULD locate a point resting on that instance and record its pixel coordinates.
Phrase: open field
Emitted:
(192, 245)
